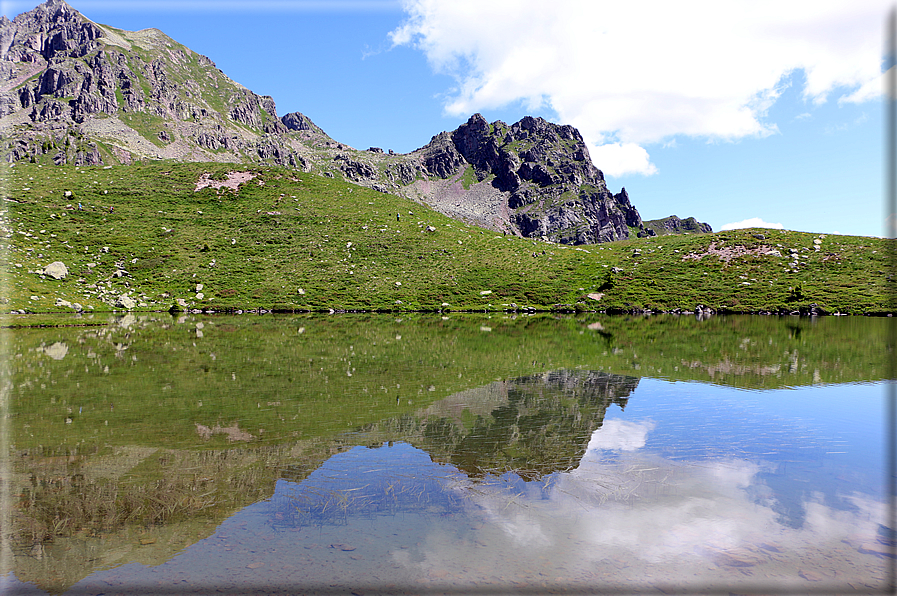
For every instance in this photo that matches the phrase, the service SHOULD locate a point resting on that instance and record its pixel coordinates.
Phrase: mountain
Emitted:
(674, 225)
(532, 178)
(75, 91)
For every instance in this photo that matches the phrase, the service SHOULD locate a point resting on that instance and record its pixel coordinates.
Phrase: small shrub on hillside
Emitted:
(796, 293)
(608, 281)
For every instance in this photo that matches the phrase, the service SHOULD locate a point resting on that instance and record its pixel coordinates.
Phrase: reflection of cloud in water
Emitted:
(668, 511)
(620, 435)
(688, 522)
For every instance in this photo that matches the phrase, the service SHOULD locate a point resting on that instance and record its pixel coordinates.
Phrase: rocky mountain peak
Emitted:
(140, 94)
(533, 178)
(49, 29)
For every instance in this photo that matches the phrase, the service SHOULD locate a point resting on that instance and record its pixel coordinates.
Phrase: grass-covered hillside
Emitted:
(288, 240)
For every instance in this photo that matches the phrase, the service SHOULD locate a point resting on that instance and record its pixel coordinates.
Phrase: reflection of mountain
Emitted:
(533, 425)
(77, 511)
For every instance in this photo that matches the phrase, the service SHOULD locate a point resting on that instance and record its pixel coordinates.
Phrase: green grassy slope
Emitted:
(292, 240)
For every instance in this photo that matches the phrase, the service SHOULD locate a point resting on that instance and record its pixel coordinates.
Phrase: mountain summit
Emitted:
(74, 91)
(533, 178)
(86, 93)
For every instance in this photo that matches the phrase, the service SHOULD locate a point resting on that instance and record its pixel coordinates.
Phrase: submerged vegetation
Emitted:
(286, 240)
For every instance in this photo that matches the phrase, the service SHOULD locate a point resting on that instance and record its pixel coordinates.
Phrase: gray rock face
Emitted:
(143, 93)
(297, 121)
(353, 169)
(56, 270)
(542, 171)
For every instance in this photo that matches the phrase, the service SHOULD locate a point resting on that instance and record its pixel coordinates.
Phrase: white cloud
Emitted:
(618, 159)
(629, 74)
(753, 222)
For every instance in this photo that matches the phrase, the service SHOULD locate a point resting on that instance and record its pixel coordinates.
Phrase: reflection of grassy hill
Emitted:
(73, 515)
(752, 352)
(167, 383)
(153, 382)
(344, 247)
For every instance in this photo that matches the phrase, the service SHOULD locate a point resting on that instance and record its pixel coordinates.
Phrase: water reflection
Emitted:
(311, 452)
(533, 425)
(628, 516)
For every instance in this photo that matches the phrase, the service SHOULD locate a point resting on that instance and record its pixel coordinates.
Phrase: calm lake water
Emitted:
(446, 454)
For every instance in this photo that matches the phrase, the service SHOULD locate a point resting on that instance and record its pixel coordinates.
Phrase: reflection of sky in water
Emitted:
(821, 441)
(367, 482)
(693, 485)
(691, 473)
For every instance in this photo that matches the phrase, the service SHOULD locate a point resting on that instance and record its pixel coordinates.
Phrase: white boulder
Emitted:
(56, 270)
(125, 301)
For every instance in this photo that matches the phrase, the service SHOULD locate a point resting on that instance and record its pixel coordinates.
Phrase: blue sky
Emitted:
(721, 111)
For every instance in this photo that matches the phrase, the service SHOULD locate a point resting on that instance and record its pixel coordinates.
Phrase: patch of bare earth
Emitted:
(727, 253)
(233, 182)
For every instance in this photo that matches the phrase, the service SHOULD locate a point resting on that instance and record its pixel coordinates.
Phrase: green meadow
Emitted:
(293, 241)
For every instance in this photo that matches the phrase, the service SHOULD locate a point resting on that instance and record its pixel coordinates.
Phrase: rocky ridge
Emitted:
(76, 92)
(674, 225)
(533, 178)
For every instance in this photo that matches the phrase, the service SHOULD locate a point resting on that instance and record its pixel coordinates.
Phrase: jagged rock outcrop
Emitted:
(533, 178)
(297, 121)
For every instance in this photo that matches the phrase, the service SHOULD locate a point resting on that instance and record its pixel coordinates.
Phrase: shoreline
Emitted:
(699, 315)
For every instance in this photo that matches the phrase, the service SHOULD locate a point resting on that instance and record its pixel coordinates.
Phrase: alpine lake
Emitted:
(445, 454)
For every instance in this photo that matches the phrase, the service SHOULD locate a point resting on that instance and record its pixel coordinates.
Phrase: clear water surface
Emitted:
(448, 455)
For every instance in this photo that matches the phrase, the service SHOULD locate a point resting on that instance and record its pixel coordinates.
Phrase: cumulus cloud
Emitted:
(753, 222)
(618, 159)
(629, 74)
